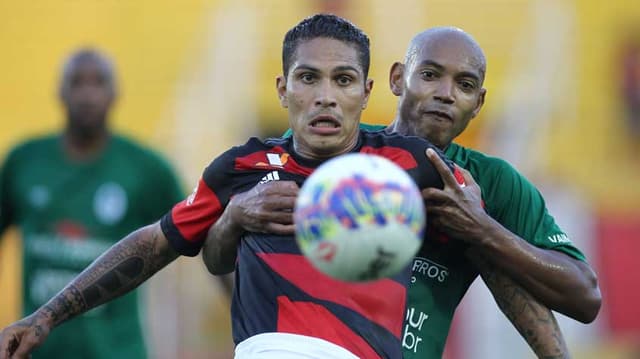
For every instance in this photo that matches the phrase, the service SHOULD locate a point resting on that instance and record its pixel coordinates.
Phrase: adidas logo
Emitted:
(271, 176)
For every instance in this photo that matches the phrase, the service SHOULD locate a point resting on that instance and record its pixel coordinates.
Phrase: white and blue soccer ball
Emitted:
(359, 217)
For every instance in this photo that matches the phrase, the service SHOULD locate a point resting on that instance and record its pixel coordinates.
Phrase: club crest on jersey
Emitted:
(274, 160)
(39, 196)
(110, 203)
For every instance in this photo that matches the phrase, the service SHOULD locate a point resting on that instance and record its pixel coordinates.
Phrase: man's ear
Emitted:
(396, 78)
(281, 87)
(480, 102)
(368, 87)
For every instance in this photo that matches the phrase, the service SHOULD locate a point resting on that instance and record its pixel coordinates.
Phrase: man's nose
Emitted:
(444, 91)
(326, 95)
(89, 93)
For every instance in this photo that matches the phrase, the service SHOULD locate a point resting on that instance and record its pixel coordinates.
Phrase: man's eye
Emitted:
(307, 78)
(344, 80)
(428, 74)
(467, 85)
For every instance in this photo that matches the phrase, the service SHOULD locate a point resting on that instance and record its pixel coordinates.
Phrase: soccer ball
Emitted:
(359, 217)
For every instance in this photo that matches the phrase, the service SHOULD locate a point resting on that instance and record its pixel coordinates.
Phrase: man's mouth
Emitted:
(325, 125)
(325, 121)
(440, 115)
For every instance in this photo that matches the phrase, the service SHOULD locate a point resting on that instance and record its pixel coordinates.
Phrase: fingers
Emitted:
(34, 337)
(433, 195)
(26, 346)
(278, 203)
(444, 171)
(279, 217)
(281, 229)
(9, 342)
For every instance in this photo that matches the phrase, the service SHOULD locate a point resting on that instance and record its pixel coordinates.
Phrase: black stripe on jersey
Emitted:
(184, 247)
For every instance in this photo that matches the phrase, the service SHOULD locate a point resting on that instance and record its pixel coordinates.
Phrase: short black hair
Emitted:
(329, 26)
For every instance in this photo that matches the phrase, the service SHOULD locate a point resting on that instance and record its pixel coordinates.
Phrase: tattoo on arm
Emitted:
(119, 270)
(535, 322)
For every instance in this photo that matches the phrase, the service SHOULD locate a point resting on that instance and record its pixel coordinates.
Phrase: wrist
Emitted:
(45, 316)
(232, 227)
(487, 232)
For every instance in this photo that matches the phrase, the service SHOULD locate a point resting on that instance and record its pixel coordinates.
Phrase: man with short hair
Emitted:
(440, 90)
(74, 194)
(282, 307)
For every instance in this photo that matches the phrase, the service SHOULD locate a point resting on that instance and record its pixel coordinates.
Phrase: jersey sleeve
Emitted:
(516, 203)
(188, 222)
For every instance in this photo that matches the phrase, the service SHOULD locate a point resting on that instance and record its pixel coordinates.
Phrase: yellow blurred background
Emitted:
(196, 77)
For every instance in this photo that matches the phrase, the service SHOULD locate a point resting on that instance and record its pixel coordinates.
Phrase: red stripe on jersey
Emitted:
(457, 173)
(459, 176)
(193, 216)
(260, 160)
(402, 158)
(292, 317)
(381, 301)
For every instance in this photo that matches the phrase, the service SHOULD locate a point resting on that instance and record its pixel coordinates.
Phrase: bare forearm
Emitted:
(560, 282)
(535, 322)
(220, 248)
(119, 270)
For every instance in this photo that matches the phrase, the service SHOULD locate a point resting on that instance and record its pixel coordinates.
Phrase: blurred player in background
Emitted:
(515, 244)
(72, 195)
(324, 87)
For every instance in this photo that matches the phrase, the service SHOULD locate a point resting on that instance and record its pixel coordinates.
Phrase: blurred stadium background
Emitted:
(197, 76)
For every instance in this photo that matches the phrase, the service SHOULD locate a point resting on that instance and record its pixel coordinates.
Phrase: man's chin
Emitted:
(88, 131)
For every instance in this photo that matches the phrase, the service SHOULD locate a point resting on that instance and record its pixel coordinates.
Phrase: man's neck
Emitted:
(309, 155)
(396, 127)
(83, 146)
(393, 127)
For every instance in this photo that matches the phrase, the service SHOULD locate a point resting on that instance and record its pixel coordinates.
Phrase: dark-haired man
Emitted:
(73, 195)
(440, 90)
(282, 307)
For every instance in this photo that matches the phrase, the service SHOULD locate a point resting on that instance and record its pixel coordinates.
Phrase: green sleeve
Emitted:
(514, 202)
(363, 126)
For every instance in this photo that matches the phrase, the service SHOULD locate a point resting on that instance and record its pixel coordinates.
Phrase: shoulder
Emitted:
(33, 146)
(255, 145)
(142, 155)
(499, 180)
(370, 127)
(253, 151)
(383, 138)
(409, 152)
(480, 163)
(131, 146)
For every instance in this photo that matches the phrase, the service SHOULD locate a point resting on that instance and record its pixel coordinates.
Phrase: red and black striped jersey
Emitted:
(277, 289)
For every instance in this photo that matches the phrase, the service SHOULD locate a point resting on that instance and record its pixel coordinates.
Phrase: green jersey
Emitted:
(70, 212)
(441, 274)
